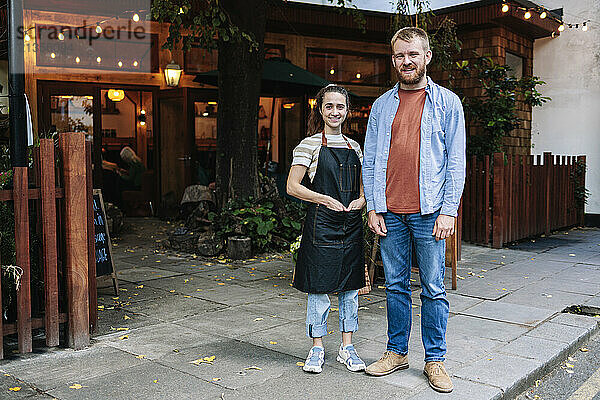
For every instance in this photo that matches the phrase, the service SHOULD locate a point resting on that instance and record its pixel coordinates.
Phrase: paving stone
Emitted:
(467, 348)
(134, 293)
(111, 318)
(232, 294)
(479, 327)
(182, 284)
(483, 290)
(231, 322)
(558, 332)
(582, 273)
(459, 303)
(506, 312)
(535, 268)
(499, 370)
(289, 308)
(545, 297)
(331, 384)
(463, 389)
(158, 341)
(236, 364)
(146, 381)
(173, 306)
(20, 389)
(582, 321)
(142, 274)
(594, 302)
(535, 348)
(59, 367)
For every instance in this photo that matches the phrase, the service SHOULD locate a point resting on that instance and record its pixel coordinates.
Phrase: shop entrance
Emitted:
(112, 118)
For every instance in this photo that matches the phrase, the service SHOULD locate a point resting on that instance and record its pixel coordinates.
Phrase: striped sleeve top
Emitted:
(307, 152)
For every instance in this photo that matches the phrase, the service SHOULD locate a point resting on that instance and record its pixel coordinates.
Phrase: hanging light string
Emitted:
(543, 13)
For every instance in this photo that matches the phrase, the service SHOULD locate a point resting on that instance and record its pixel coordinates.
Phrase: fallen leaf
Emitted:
(220, 284)
(124, 337)
(126, 317)
(459, 277)
(187, 297)
(381, 307)
(584, 349)
(171, 291)
(272, 342)
(380, 287)
(75, 386)
(569, 365)
(15, 389)
(155, 381)
(334, 309)
(139, 287)
(258, 319)
(253, 367)
(141, 356)
(216, 379)
(300, 364)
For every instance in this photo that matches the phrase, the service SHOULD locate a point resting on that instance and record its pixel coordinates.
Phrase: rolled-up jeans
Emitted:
(396, 252)
(317, 310)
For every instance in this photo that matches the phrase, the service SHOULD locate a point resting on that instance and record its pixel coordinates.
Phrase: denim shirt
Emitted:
(442, 159)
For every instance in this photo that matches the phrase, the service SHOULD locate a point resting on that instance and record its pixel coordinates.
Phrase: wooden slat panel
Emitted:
(36, 323)
(1, 320)
(32, 194)
(547, 182)
(498, 193)
(488, 215)
(21, 207)
(72, 148)
(49, 242)
(93, 295)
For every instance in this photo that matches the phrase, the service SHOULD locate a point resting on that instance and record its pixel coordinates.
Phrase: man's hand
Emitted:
(377, 224)
(443, 227)
(357, 204)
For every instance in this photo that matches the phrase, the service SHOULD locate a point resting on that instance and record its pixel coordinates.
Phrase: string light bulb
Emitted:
(98, 59)
(27, 37)
(77, 60)
(98, 29)
(561, 27)
(52, 55)
(527, 14)
(61, 36)
(331, 71)
(358, 75)
(135, 63)
(505, 8)
(136, 17)
(543, 15)
(120, 64)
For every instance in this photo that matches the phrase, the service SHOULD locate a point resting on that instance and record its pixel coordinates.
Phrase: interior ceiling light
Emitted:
(543, 15)
(527, 14)
(505, 8)
(116, 94)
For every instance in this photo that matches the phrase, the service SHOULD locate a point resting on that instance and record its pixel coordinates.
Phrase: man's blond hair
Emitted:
(408, 34)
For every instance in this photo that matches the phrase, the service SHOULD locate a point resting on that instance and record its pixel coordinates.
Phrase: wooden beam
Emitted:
(93, 294)
(32, 194)
(36, 323)
(21, 207)
(72, 148)
(49, 241)
(498, 197)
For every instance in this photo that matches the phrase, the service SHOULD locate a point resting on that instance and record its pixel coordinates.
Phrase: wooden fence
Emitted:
(510, 197)
(62, 203)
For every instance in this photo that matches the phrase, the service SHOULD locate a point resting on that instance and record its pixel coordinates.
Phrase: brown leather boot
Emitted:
(438, 378)
(388, 363)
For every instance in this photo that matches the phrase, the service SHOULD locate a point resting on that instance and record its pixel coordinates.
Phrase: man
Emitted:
(413, 174)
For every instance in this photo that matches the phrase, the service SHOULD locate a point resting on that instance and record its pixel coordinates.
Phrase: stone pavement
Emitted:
(188, 328)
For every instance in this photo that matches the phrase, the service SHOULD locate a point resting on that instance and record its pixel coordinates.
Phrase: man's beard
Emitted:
(418, 74)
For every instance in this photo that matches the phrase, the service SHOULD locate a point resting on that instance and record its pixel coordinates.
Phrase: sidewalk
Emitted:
(506, 328)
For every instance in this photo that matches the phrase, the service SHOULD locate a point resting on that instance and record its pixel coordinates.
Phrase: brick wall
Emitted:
(495, 42)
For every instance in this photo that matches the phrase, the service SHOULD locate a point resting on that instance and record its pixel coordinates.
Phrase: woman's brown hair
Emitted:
(315, 120)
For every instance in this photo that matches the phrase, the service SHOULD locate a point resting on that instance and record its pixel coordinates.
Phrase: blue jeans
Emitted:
(396, 252)
(317, 310)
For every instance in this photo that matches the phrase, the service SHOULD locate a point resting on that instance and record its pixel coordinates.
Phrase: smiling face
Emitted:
(334, 111)
(410, 60)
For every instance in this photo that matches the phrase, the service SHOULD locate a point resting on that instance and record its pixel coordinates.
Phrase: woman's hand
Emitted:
(332, 204)
(357, 204)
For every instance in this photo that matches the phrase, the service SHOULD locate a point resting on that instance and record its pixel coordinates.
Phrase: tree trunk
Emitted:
(240, 73)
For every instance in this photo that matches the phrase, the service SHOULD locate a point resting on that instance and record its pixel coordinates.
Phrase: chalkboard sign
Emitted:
(103, 247)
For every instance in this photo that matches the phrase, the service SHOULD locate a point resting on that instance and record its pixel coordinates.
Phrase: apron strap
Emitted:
(324, 141)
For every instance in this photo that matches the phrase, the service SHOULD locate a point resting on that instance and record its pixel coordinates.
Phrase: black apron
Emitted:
(331, 255)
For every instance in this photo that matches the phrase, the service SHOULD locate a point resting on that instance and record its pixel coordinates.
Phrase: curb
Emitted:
(522, 384)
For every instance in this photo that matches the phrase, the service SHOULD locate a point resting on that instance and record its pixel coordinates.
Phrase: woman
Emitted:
(132, 178)
(330, 258)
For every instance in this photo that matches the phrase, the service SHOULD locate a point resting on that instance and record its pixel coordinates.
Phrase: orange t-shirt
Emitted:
(402, 177)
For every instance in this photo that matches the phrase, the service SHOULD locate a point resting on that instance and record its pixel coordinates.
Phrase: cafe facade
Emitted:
(105, 73)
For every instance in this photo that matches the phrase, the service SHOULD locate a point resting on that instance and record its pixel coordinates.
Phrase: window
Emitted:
(516, 65)
(198, 59)
(347, 67)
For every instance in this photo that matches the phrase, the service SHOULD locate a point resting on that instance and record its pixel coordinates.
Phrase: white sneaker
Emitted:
(314, 361)
(347, 355)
